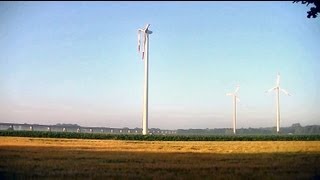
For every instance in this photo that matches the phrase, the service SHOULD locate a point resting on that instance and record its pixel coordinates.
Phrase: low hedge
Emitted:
(139, 137)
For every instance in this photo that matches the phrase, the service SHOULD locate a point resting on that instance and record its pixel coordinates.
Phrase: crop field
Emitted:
(52, 158)
(140, 137)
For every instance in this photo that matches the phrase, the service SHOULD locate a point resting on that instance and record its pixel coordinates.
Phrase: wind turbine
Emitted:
(278, 89)
(143, 49)
(235, 99)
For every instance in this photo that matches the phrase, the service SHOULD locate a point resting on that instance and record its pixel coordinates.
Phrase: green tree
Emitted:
(297, 128)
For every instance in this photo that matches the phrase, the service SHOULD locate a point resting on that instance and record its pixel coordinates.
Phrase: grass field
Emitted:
(52, 158)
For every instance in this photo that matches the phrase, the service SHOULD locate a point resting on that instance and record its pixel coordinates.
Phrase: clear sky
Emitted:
(77, 62)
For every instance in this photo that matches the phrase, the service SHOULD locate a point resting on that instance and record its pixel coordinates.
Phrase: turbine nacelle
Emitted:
(274, 88)
(146, 29)
(278, 86)
(235, 93)
(142, 38)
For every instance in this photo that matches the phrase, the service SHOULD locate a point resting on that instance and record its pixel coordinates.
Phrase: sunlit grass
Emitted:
(57, 158)
(167, 146)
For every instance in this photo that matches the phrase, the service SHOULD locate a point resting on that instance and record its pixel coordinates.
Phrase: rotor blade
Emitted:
(147, 26)
(278, 79)
(144, 41)
(139, 41)
(286, 92)
(271, 89)
(144, 44)
(237, 89)
(229, 94)
(238, 99)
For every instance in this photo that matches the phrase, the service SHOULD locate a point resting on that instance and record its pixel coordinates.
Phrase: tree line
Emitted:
(296, 129)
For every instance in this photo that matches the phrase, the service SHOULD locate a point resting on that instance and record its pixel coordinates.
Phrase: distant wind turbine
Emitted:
(235, 99)
(278, 89)
(143, 49)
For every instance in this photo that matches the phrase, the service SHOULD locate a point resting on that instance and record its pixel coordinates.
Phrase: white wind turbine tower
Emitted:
(278, 89)
(235, 99)
(143, 48)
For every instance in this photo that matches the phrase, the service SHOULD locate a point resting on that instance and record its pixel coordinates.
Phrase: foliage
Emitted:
(137, 137)
(313, 10)
(295, 129)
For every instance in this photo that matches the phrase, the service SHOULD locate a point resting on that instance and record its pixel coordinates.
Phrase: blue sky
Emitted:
(77, 62)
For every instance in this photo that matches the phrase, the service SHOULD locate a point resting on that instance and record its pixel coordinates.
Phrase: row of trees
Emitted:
(294, 129)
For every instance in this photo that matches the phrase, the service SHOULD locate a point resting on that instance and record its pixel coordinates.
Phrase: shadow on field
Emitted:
(53, 162)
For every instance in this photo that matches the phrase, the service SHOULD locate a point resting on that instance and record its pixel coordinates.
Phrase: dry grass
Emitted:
(75, 158)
